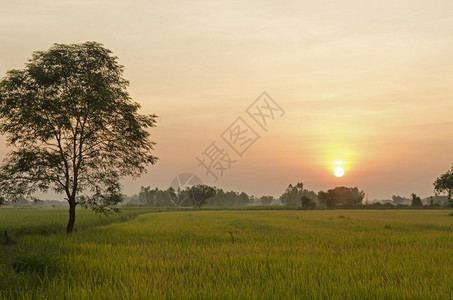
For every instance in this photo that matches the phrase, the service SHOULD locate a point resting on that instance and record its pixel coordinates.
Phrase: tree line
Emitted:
(293, 196)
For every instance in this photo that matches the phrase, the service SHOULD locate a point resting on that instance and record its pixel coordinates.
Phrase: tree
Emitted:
(416, 201)
(73, 127)
(398, 200)
(306, 202)
(293, 194)
(266, 200)
(229, 198)
(242, 199)
(444, 184)
(328, 198)
(341, 196)
(199, 193)
(182, 196)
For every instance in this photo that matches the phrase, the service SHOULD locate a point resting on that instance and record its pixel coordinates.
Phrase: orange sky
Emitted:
(369, 83)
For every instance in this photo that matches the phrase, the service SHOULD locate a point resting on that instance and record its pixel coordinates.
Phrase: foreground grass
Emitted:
(241, 254)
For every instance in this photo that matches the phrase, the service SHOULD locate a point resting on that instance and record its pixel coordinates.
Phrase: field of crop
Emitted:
(233, 254)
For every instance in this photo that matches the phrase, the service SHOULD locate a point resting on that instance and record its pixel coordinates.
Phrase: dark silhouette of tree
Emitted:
(200, 193)
(416, 201)
(266, 200)
(328, 198)
(341, 197)
(293, 194)
(229, 198)
(157, 197)
(444, 184)
(307, 203)
(73, 126)
(243, 199)
(181, 197)
(398, 200)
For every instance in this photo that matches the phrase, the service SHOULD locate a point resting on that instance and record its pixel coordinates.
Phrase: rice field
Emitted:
(235, 254)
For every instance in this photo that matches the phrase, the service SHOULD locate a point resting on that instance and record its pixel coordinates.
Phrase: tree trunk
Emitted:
(72, 206)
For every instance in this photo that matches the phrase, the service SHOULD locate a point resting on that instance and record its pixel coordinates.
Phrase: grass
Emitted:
(44, 221)
(222, 254)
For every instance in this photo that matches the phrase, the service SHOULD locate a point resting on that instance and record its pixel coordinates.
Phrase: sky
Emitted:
(366, 85)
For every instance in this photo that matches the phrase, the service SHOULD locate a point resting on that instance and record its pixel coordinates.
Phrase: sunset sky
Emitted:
(366, 84)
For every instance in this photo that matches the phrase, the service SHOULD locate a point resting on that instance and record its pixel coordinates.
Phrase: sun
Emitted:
(339, 171)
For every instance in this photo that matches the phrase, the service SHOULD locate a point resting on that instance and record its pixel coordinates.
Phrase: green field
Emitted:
(260, 254)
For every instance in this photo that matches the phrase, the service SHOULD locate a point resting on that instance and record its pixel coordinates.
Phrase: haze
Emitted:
(366, 83)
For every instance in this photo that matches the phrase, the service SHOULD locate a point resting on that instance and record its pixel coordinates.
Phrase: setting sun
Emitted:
(339, 172)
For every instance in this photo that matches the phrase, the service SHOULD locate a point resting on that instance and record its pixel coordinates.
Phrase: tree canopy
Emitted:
(444, 184)
(73, 127)
(306, 202)
(200, 193)
(293, 194)
(416, 200)
(341, 197)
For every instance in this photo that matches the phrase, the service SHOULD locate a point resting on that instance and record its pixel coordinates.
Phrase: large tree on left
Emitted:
(73, 128)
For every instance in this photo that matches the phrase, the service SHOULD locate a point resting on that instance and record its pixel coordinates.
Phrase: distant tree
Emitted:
(2, 201)
(307, 202)
(220, 199)
(416, 201)
(243, 199)
(398, 200)
(229, 198)
(154, 197)
(20, 201)
(145, 196)
(444, 184)
(183, 197)
(169, 197)
(328, 198)
(437, 200)
(200, 193)
(266, 200)
(37, 202)
(341, 197)
(74, 128)
(254, 200)
(293, 194)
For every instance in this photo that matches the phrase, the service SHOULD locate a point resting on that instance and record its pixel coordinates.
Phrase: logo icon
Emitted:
(177, 191)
